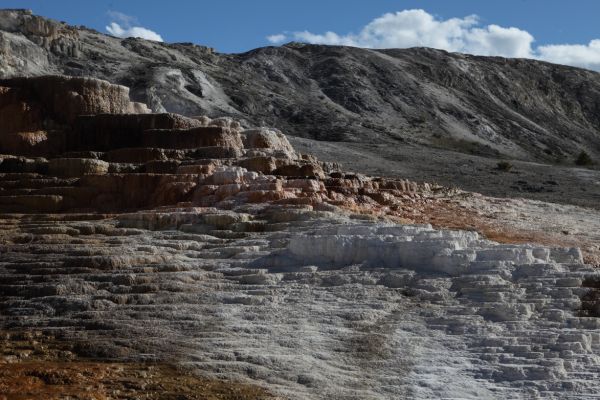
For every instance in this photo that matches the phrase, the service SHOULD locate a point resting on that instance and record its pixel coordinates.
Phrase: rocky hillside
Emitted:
(152, 254)
(522, 109)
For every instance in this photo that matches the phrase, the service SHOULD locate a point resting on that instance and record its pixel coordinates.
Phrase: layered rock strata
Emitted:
(36, 114)
(102, 157)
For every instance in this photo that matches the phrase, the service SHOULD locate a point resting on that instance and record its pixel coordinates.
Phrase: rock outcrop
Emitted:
(57, 37)
(157, 237)
(105, 158)
(66, 98)
(37, 113)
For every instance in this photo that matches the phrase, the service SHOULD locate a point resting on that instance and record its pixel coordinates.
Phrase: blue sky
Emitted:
(514, 28)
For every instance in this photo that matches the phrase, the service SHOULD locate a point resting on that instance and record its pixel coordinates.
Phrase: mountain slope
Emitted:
(489, 106)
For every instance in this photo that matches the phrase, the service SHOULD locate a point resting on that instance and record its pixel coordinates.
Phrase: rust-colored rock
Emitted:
(36, 113)
(32, 143)
(38, 366)
(264, 138)
(262, 164)
(300, 170)
(73, 167)
(108, 132)
(161, 166)
(31, 203)
(137, 155)
(102, 155)
(17, 112)
(191, 138)
(137, 190)
(65, 98)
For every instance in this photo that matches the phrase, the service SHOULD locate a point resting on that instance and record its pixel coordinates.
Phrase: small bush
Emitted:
(504, 166)
(583, 159)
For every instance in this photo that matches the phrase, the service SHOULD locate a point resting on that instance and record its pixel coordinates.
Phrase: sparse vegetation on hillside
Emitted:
(504, 166)
(583, 159)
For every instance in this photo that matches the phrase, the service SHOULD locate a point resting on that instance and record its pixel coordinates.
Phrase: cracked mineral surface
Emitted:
(167, 251)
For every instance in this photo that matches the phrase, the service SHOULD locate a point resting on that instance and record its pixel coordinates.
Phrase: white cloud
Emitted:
(278, 38)
(412, 28)
(123, 26)
(495, 40)
(587, 56)
(417, 28)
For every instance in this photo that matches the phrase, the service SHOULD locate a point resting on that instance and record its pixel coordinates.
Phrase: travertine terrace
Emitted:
(134, 237)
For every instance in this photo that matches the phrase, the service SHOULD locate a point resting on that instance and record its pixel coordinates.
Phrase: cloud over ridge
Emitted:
(122, 26)
(418, 28)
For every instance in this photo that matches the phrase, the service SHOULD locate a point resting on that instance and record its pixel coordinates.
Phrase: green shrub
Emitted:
(504, 166)
(583, 159)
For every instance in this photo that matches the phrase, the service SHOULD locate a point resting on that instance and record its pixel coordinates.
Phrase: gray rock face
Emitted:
(484, 105)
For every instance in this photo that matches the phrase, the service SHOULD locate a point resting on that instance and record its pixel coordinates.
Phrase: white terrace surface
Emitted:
(315, 306)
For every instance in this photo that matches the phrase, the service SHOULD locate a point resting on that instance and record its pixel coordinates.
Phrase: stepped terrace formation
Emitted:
(420, 113)
(156, 250)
